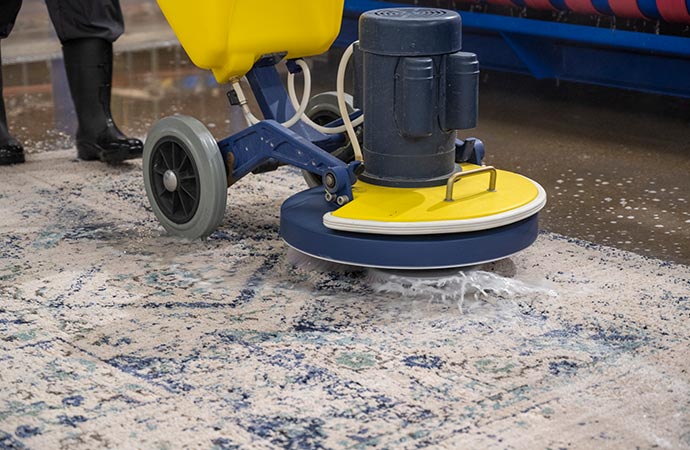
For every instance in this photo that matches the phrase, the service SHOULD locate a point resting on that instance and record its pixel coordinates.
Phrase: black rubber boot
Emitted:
(89, 66)
(11, 151)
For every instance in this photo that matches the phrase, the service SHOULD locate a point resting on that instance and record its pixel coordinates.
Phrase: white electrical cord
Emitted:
(348, 124)
(320, 128)
(301, 108)
(340, 88)
(248, 116)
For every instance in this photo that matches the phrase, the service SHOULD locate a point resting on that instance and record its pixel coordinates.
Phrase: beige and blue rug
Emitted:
(114, 335)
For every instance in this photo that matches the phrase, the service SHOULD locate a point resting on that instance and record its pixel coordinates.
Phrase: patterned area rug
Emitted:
(115, 335)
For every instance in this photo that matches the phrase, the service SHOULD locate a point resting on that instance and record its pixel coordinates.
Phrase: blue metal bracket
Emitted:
(274, 102)
(273, 99)
(268, 141)
(470, 150)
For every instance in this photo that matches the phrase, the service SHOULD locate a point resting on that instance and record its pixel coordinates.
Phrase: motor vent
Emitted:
(410, 31)
(411, 12)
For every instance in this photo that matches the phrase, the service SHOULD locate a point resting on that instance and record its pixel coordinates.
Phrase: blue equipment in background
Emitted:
(642, 61)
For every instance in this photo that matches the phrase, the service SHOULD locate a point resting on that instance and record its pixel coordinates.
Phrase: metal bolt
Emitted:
(342, 200)
(330, 180)
(329, 197)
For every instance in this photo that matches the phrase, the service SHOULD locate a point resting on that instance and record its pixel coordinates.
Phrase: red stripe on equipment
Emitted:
(540, 4)
(626, 8)
(673, 10)
(582, 6)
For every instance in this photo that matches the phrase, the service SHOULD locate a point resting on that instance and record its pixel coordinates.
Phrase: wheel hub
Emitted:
(185, 177)
(175, 180)
(170, 181)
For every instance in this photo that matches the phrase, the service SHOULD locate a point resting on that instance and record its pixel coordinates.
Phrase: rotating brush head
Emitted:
(416, 88)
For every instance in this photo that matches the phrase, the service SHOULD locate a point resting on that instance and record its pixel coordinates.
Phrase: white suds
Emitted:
(444, 285)
(454, 286)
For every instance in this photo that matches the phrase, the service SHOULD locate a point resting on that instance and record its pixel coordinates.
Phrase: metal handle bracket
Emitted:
(458, 176)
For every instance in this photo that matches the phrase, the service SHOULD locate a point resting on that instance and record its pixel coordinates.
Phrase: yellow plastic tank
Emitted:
(229, 36)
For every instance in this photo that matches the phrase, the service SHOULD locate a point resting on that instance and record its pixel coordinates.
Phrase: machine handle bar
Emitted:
(458, 176)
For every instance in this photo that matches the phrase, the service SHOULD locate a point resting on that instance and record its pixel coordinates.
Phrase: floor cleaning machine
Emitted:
(392, 186)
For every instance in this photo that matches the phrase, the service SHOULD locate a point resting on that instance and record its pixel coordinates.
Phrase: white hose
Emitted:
(248, 116)
(348, 125)
(320, 128)
(340, 88)
(300, 114)
(301, 108)
(306, 95)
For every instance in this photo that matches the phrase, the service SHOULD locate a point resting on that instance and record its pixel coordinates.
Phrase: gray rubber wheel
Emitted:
(323, 109)
(185, 177)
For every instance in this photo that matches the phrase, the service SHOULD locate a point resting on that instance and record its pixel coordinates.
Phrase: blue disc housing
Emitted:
(301, 226)
(416, 88)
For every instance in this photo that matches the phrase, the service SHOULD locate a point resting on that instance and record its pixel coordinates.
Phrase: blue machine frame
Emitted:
(268, 144)
(645, 62)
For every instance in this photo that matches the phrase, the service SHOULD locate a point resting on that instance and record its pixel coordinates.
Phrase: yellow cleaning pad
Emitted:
(387, 210)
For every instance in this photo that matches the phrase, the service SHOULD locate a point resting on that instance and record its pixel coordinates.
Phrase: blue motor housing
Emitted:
(416, 88)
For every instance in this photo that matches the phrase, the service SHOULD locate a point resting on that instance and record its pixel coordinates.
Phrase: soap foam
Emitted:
(469, 288)
(452, 285)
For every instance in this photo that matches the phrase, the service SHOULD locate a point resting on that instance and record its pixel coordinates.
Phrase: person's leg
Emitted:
(11, 151)
(87, 30)
(8, 14)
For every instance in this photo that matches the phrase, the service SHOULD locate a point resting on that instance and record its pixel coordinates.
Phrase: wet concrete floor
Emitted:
(615, 164)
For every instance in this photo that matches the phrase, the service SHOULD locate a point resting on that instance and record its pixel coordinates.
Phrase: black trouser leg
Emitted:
(8, 14)
(11, 151)
(89, 65)
(85, 19)
(87, 29)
